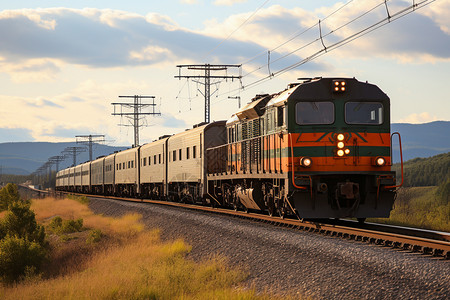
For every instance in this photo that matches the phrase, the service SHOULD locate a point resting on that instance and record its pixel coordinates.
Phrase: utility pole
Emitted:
(134, 112)
(56, 160)
(73, 151)
(89, 140)
(207, 68)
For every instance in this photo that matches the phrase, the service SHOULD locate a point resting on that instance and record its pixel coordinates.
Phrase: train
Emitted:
(321, 148)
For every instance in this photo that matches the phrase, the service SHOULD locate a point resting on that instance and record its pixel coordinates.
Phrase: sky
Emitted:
(63, 62)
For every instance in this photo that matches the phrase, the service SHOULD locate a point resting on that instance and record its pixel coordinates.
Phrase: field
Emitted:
(119, 259)
(420, 207)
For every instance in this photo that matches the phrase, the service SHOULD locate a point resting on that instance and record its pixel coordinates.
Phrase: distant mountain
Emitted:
(25, 157)
(422, 140)
(418, 140)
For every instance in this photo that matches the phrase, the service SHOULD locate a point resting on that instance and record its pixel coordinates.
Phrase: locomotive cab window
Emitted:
(314, 113)
(370, 113)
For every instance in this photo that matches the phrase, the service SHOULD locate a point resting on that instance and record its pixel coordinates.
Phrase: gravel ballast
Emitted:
(289, 262)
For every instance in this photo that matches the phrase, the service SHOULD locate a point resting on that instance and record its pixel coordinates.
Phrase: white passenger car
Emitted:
(127, 172)
(186, 172)
(153, 169)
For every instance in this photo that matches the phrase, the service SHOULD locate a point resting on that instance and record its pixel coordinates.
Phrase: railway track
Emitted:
(431, 243)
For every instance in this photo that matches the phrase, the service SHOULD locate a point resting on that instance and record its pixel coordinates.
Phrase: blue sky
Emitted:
(63, 62)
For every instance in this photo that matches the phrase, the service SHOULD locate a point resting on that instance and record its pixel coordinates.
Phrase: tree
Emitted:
(8, 195)
(23, 247)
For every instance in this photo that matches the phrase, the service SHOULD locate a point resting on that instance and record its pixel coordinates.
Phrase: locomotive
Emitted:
(319, 149)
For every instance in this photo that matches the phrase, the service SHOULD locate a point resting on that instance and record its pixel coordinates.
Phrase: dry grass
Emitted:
(134, 264)
(48, 208)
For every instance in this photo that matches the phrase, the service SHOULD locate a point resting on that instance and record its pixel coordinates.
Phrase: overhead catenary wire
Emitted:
(237, 28)
(389, 19)
(297, 34)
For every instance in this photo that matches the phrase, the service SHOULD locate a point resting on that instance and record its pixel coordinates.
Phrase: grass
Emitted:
(419, 207)
(125, 262)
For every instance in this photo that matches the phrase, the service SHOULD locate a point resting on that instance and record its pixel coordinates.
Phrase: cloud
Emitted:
(41, 102)
(424, 117)
(228, 2)
(31, 70)
(99, 39)
(190, 2)
(173, 122)
(421, 36)
(16, 135)
(66, 132)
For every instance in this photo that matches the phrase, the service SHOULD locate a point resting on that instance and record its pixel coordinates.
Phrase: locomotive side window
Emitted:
(314, 113)
(364, 113)
(280, 120)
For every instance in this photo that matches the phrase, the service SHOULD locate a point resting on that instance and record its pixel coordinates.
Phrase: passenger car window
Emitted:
(370, 113)
(307, 113)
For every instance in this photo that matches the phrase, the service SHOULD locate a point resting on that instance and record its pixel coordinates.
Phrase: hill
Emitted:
(422, 140)
(25, 157)
(418, 140)
(430, 171)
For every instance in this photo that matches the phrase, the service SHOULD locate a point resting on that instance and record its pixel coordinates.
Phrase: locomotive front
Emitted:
(339, 149)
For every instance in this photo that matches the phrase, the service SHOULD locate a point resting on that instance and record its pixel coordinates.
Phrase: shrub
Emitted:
(19, 257)
(8, 195)
(55, 223)
(69, 226)
(20, 221)
(94, 236)
(60, 226)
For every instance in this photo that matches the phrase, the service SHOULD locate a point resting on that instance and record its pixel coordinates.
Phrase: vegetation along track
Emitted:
(432, 243)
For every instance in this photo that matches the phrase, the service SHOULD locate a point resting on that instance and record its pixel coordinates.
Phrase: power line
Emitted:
(74, 151)
(207, 68)
(296, 34)
(239, 27)
(388, 19)
(89, 140)
(136, 112)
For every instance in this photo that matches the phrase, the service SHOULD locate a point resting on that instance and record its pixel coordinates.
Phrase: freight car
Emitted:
(319, 149)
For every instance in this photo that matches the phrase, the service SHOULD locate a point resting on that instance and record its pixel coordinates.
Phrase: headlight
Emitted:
(340, 145)
(340, 152)
(305, 162)
(380, 161)
(340, 137)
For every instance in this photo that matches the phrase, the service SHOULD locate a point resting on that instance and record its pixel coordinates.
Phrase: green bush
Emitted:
(20, 221)
(55, 223)
(69, 226)
(23, 247)
(19, 257)
(94, 236)
(8, 194)
(60, 226)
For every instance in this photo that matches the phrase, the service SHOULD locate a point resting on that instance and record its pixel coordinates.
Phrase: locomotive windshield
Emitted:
(314, 113)
(364, 113)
